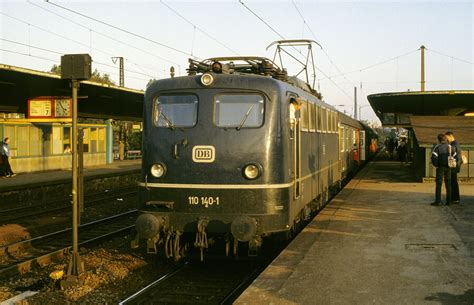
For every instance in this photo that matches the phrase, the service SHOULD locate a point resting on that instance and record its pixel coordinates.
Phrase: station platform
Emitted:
(29, 180)
(377, 242)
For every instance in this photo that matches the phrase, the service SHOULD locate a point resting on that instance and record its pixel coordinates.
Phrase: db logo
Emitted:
(204, 154)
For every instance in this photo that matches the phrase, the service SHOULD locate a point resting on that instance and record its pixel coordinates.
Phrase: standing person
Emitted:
(390, 147)
(5, 156)
(2, 165)
(402, 152)
(455, 197)
(439, 158)
(395, 145)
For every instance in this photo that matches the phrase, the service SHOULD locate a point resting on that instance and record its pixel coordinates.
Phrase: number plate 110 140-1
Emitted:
(205, 201)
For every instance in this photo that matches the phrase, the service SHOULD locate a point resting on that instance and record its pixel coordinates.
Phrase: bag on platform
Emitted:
(451, 159)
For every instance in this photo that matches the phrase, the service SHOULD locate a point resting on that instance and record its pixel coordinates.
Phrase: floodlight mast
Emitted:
(293, 43)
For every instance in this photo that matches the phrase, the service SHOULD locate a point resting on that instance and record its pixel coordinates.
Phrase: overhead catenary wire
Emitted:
(29, 55)
(65, 38)
(372, 65)
(104, 35)
(30, 46)
(55, 34)
(282, 37)
(121, 29)
(59, 53)
(130, 71)
(258, 17)
(305, 24)
(56, 61)
(197, 27)
(406, 82)
(452, 57)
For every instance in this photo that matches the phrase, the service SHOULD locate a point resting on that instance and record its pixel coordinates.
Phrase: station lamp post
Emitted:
(75, 67)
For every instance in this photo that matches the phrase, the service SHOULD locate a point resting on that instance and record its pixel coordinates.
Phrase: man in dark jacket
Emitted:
(439, 158)
(455, 198)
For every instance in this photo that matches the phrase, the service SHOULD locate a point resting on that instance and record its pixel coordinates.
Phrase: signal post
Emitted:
(75, 67)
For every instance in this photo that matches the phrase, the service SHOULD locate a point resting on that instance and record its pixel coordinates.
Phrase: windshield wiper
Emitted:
(168, 121)
(245, 117)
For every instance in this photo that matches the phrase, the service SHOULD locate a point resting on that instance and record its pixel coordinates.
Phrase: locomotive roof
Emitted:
(248, 65)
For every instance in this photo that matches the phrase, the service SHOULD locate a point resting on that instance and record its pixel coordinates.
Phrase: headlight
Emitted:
(252, 171)
(158, 170)
(207, 79)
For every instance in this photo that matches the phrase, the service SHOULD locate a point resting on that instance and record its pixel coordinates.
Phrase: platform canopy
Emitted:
(96, 100)
(395, 108)
(427, 128)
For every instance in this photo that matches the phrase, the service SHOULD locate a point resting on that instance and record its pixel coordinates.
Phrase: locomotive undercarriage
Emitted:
(176, 233)
(174, 221)
(172, 232)
(234, 232)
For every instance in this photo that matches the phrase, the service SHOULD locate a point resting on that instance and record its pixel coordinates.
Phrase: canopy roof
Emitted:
(427, 128)
(96, 100)
(395, 108)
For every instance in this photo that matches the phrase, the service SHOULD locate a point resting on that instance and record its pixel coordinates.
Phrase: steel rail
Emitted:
(96, 201)
(217, 285)
(58, 200)
(241, 287)
(15, 245)
(37, 203)
(26, 264)
(143, 294)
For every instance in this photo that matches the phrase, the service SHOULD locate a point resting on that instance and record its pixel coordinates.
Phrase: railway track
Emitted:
(212, 282)
(19, 257)
(61, 204)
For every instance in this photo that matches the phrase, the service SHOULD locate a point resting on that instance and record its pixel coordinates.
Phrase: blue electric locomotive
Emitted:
(238, 152)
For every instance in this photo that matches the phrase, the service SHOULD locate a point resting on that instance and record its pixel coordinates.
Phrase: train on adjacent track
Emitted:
(238, 151)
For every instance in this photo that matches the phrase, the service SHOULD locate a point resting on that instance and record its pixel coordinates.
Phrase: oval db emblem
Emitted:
(204, 154)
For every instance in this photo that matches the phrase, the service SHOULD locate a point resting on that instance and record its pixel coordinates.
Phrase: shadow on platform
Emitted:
(467, 298)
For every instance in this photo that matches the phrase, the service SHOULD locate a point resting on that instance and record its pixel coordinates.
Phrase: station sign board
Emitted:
(49, 107)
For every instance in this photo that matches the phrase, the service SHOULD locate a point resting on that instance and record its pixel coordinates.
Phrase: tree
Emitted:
(56, 69)
(104, 78)
(95, 77)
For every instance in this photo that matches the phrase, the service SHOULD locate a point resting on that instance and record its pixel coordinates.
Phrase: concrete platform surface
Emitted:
(377, 242)
(55, 176)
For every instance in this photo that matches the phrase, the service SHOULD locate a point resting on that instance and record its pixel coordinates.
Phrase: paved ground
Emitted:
(59, 175)
(378, 242)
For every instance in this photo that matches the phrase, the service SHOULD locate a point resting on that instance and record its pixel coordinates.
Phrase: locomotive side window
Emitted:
(329, 121)
(175, 111)
(311, 117)
(341, 139)
(326, 120)
(304, 115)
(324, 126)
(239, 110)
(315, 116)
(318, 119)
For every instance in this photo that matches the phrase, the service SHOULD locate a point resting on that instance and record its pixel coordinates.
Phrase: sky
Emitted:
(373, 46)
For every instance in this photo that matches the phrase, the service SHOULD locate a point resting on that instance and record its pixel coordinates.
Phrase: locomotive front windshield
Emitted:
(175, 111)
(239, 110)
